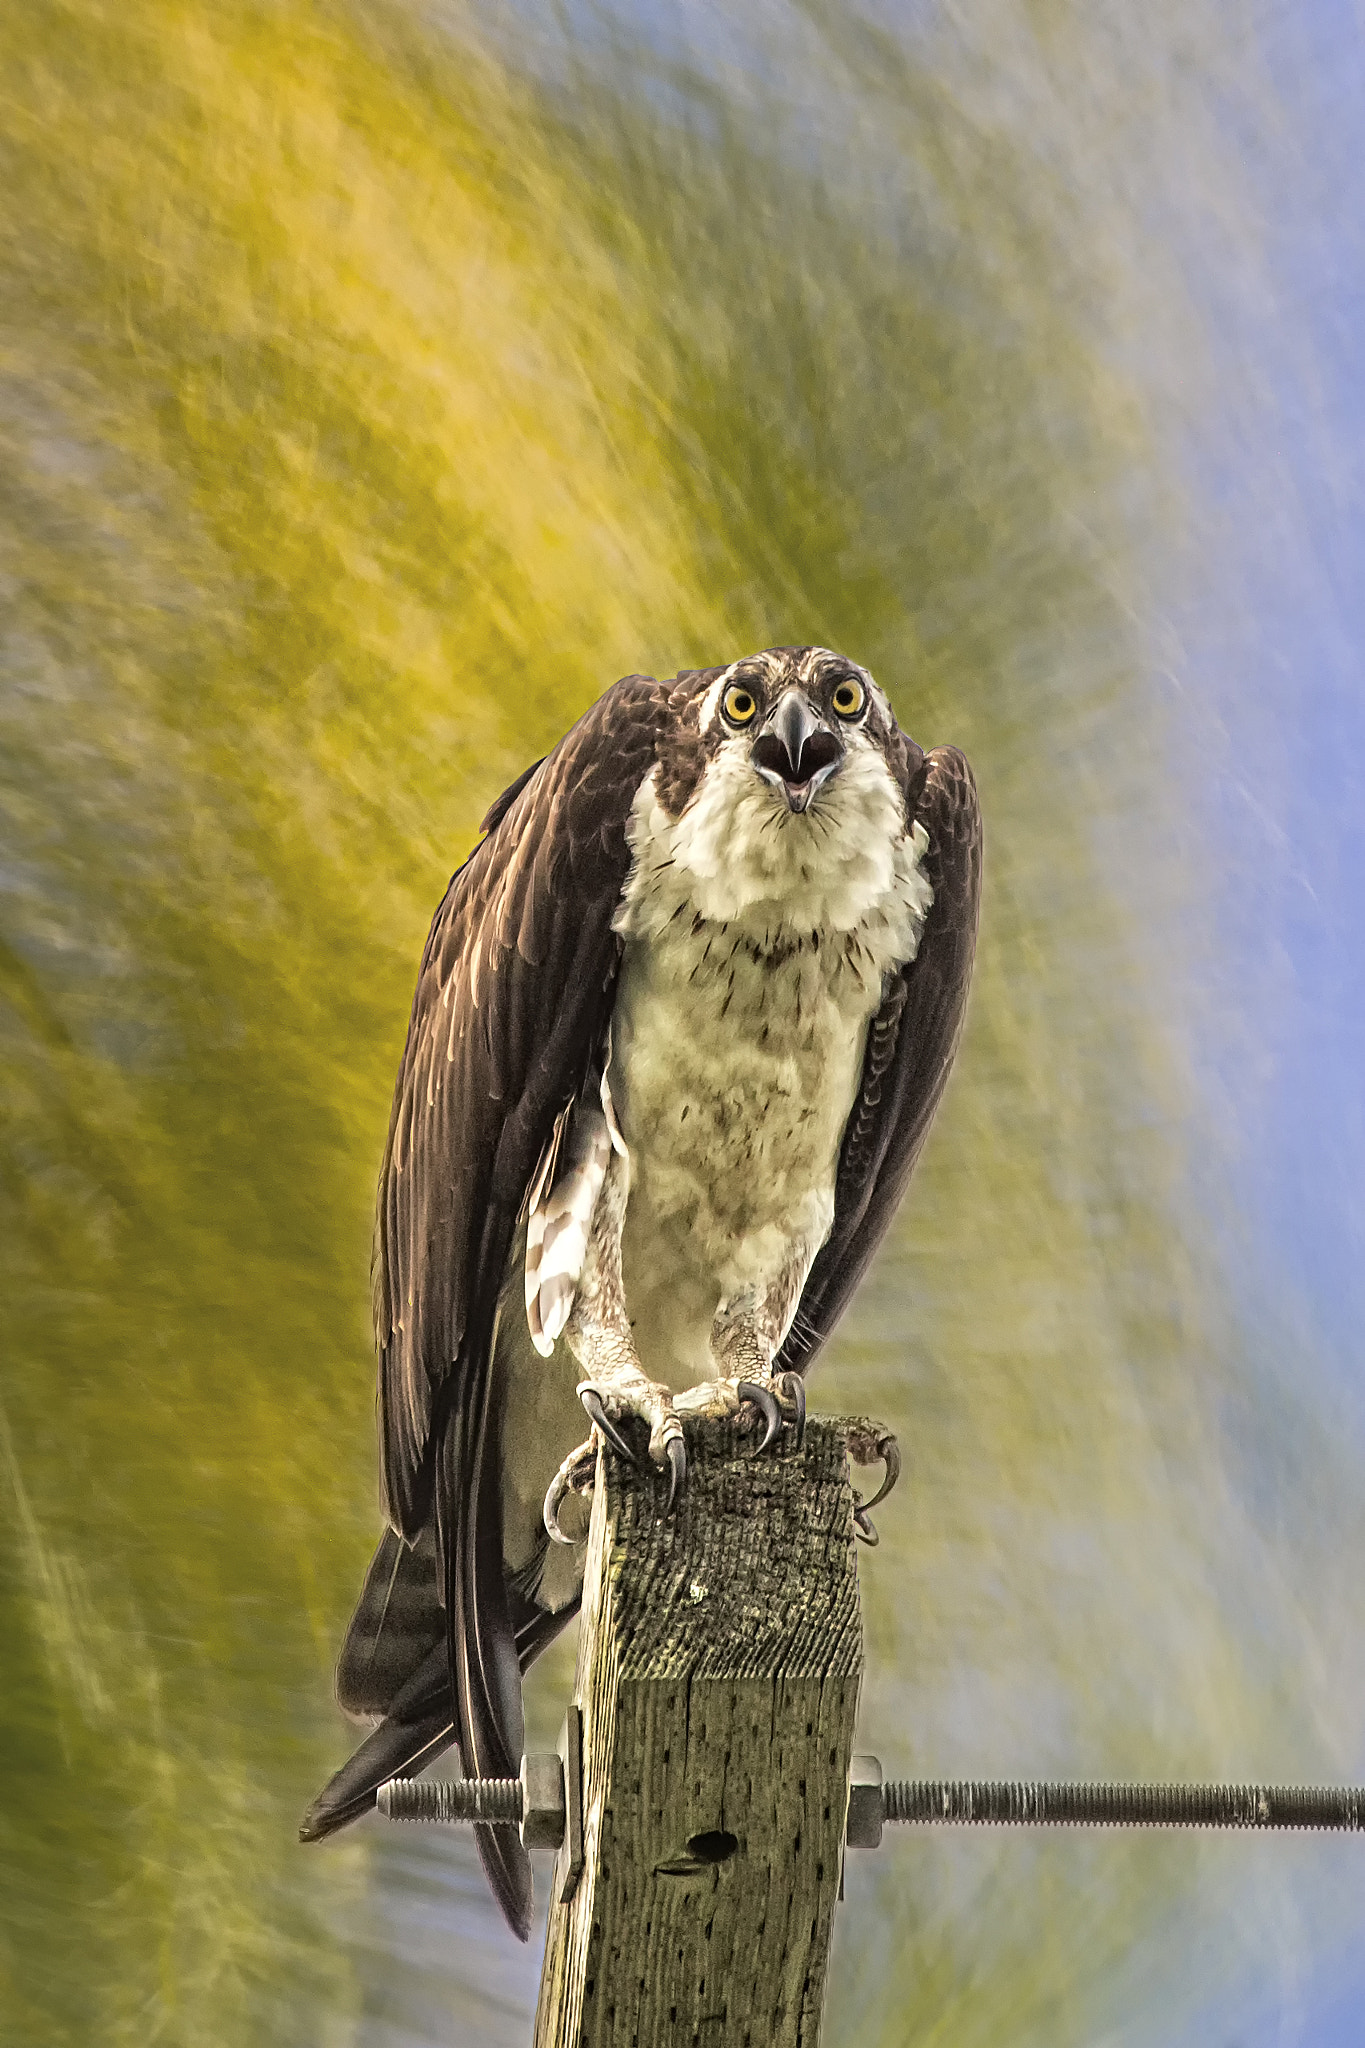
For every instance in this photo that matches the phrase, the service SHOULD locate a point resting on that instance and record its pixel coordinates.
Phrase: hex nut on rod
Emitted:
(866, 1804)
(542, 1801)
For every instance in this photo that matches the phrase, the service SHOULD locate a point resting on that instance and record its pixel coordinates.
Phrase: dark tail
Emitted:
(481, 1633)
(397, 1749)
(392, 1664)
(396, 1663)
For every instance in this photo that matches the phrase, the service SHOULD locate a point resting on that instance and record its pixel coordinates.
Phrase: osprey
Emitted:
(682, 1023)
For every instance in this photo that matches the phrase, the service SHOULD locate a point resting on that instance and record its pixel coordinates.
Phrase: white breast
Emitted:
(757, 946)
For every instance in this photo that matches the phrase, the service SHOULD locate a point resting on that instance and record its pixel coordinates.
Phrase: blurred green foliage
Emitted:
(374, 392)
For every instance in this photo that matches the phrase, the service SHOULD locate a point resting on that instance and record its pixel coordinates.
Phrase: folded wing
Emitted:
(911, 1046)
(513, 1002)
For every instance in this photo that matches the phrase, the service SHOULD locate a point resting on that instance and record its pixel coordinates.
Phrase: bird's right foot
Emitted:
(575, 1475)
(609, 1402)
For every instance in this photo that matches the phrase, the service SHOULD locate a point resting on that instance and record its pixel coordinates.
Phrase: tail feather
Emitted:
(537, 1628)
(397, 1637)
(418, 1726)
(398, 1621)
(395, 1750)
(445, 1670)
(392, 1663)
(507, 1867)
(481, 1637)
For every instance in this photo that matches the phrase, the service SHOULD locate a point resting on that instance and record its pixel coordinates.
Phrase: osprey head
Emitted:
(797, 712)
(778, 796)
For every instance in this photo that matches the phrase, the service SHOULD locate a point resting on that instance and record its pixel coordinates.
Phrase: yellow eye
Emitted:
(848, 699)
(739, 704)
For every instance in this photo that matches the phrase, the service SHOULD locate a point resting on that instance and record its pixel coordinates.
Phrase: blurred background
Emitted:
(379, 380)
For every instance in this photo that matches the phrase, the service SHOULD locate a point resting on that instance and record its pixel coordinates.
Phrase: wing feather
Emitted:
(512, 995)
(510, 1016)
(911, 1046)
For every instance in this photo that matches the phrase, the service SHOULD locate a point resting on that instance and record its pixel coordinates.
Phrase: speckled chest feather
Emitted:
(757, 946)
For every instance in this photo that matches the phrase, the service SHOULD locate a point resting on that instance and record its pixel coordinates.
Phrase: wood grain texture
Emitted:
(719, 1665)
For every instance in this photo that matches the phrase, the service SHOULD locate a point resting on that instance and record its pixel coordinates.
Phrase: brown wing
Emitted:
(513, 992)
(910, 1049)
(513, 998)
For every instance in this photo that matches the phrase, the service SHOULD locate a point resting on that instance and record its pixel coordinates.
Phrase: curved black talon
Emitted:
(749, 1390)
(890, 1453)
(677, 1470)
(597, 1415)
(865, 1529)
(793, 1388)
(575, 1475)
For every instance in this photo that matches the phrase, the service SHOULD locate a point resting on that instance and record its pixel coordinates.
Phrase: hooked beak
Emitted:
(796, 751)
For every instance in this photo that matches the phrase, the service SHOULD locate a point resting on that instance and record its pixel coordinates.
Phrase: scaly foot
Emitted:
(744, 1340)
(870, 1444)
(608, 1402)
(778, 1402)
(575, 1475)
(781, 1400)
(730, 1397)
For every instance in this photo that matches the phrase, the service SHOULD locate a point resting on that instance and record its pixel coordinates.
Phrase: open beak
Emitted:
(796, 751)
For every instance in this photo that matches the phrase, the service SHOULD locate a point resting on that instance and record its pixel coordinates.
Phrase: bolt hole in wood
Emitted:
(702, 1852)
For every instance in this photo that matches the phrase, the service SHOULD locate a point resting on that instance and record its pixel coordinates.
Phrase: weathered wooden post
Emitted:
(719, 1663)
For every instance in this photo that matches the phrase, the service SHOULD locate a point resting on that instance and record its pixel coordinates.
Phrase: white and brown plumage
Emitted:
(682, 1023)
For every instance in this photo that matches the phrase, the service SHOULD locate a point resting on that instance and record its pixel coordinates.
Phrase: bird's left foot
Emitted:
(782, 1403)
(777, 1402)
(869, 1444)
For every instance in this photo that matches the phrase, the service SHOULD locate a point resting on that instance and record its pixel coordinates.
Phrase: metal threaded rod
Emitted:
(503, 1802)
(966, 1802)
(492, 1799)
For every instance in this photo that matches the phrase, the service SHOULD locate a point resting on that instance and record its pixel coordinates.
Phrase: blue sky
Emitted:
(1275, 648)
